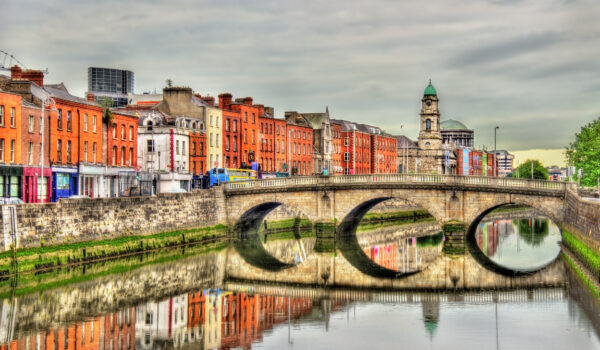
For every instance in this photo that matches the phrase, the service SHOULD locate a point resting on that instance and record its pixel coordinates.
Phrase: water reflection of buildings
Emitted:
(490, 233)
(406, 254)
(111, 332)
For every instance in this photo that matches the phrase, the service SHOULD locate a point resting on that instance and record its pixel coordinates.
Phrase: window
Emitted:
(217, 140)
(12, 117)
(245, 136)
(31, 123)
(234, 125)
(59, 151)
(130, 133)
(211, 141)
(59, 119)
(235, 143)
(227, 143)
(304, 136)
(253, 118)
(218, 122)
(62, 182)
(114, 131)
(227, 124)
(40, 153)
(42, 190)
(346, 157)
(30, 153)
(428, 125)
(2, 115)
(177, 147)
(122, 131)
(201, 150)
(12, 151)
(69, 121)
(193, 149)
(85, 152)
(245, 117)
(183, 147)
(150, 145)
(253, 137)
(85, 122)
(94, 153)
(122, 156)
(211, 120)
(149, 126)
(94, 123)
(68, 151)
(114, 155)
(130, 161)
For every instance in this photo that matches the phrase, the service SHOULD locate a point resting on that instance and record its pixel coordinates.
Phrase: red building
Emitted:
(383, 153)
(36, 189)
(356, 149)
(336, 140)
(299, 144)
(280, 143)
(266, 149)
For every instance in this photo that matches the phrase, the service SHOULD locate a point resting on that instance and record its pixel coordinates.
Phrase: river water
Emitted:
(194, 297)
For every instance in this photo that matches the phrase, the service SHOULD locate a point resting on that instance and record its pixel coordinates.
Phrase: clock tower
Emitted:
(430, 137)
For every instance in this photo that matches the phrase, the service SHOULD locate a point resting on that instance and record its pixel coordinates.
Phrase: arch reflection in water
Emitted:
(274, 248)
(521, 244)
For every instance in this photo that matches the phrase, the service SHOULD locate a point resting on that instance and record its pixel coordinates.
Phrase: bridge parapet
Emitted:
(449, 180)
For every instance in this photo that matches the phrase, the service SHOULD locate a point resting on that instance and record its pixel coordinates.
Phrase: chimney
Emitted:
(209, 99)
(15, 72)
(248, 101)
(261, 110)
(225, 100)
(270, 110)
(35, 76)
(90, 97)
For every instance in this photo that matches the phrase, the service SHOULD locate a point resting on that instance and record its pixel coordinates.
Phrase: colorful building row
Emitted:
(68, 148)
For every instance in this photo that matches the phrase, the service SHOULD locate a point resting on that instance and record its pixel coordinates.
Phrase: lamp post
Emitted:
(495, 160)
(45, 100)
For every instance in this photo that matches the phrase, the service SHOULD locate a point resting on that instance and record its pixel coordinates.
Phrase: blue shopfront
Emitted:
(64, 182)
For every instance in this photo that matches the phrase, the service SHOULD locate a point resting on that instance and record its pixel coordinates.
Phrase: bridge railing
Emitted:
(400, 178)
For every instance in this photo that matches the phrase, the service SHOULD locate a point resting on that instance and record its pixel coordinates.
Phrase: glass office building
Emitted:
(112, 83)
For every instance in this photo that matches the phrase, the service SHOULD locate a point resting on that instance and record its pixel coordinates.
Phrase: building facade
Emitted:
(114, 84)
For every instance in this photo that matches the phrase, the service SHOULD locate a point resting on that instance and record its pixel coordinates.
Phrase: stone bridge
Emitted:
(345, 199)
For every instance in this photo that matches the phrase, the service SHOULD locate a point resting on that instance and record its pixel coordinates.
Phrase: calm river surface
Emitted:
(185, 299)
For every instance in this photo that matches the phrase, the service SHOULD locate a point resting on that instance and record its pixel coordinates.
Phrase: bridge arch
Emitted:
(488, 263)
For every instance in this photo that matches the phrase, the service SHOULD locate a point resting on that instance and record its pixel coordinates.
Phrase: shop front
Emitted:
(64, 182)
(36, 188)
(91, 182)
(10, 181)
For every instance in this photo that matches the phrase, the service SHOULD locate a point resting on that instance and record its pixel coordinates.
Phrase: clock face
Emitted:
(428, 103)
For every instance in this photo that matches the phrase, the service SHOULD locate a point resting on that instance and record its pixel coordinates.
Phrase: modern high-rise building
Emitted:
(112, 83)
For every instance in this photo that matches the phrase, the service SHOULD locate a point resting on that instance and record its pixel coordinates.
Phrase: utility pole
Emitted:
(495, 161)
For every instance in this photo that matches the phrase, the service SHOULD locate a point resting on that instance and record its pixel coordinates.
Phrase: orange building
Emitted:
(11, 172)
(266, 149)
(231, 132)
(249, 129)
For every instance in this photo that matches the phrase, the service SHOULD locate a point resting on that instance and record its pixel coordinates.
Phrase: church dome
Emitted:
(430, 90)
(452, 124)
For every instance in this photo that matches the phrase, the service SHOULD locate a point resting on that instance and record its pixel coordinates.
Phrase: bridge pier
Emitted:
(455, 233)
(325, 233)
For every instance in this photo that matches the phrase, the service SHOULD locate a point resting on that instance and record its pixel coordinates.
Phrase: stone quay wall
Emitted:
(583, 216)
(76, 220)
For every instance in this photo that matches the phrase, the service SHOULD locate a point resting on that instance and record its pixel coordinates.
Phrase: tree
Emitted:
(524, 170)
(584, 153)
(169, 82)
(106, 103)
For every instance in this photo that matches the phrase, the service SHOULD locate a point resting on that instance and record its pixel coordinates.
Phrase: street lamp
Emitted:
(47, 99)
(495, 160)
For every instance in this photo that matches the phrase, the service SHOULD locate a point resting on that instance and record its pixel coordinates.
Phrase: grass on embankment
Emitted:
(30, 259)
(582, 276)
(588, 256)
(35, 282)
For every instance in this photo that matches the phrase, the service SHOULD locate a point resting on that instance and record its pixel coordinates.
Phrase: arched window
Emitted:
(428, 124)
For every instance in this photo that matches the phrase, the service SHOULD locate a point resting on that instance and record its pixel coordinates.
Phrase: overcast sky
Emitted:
(530, 67)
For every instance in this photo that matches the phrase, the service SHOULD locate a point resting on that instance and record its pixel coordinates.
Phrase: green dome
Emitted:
(430, 90)
(452, 124)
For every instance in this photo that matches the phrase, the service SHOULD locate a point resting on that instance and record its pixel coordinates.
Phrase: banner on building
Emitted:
(484, 163)
(465, 161)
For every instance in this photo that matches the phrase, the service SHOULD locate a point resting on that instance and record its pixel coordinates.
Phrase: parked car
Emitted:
(11, 201)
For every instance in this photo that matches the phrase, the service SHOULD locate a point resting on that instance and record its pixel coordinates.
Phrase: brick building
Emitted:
(299, 144)
(11, 171)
